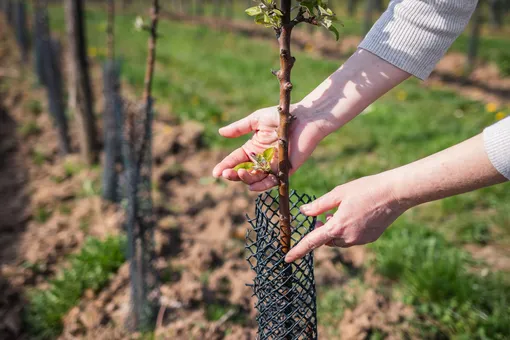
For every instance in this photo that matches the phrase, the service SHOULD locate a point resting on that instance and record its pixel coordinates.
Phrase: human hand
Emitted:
(366, 207)
(305, 132)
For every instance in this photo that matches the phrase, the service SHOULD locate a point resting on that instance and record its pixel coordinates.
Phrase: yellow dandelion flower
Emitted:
(401, 95)
(500, 115)
(308, 47)
(92, 52)
(225, 116)
(491, 107)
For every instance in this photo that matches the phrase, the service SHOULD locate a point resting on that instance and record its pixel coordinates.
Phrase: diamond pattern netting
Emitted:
(286, 297)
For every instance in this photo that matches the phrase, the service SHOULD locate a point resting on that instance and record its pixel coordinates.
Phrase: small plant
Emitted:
(42, 214)
(34, 107)
(30, 128)
(72, 168)
(39, 157)
(139, 221)
(91, 268)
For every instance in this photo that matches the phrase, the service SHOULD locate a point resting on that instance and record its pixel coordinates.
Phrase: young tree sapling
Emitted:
(267, 13)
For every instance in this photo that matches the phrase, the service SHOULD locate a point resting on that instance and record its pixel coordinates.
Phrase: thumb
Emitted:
(324, 203)
(240, 128)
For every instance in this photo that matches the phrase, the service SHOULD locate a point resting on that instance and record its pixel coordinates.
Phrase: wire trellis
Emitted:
(286, 296)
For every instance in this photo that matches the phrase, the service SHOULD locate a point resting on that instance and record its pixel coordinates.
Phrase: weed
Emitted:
(39, 157)
(91, 268)
(29, 128)
(42, 214)
(34, 107)
(72, 168)
(216, 310)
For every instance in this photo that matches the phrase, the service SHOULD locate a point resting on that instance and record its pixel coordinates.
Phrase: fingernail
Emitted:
(288, 259)
(304, 208)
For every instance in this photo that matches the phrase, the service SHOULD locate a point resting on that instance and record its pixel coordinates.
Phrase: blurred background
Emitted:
(94, 170)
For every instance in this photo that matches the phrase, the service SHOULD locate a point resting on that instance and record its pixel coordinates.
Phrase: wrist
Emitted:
(320, 122)
(399, 192)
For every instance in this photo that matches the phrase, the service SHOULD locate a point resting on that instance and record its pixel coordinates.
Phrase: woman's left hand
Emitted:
(366, 207)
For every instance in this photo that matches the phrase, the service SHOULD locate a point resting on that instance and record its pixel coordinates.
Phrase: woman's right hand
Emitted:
(305, 132)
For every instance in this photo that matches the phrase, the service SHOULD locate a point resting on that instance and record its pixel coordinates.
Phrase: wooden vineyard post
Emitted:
(79, 81)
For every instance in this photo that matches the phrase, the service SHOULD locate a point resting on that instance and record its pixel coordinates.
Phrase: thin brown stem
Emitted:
(149, 73)
(151, 57)
(286, 63)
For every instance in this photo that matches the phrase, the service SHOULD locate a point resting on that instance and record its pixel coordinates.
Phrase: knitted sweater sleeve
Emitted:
(413, 35)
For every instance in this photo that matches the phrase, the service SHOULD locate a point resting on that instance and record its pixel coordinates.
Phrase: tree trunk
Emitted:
(21, 28)
(474, 39)
(351, 7)
(112, 114)
(496, 12)
(54, 88)
(217, 8)
(379, 5)
(79, 81)
(367, 20)
(286, 63)
(37, 33)
(140, 218)
(230, 9)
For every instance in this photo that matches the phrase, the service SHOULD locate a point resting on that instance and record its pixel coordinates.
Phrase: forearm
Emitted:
(361, 80)
(462, 168)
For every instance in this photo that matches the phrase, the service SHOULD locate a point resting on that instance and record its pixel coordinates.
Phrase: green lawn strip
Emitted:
(91, 268)
(493, 46)
(452, 295)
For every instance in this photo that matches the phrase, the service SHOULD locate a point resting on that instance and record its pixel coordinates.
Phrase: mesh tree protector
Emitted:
(286, 296)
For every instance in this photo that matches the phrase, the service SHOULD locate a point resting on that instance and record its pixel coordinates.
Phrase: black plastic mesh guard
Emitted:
(286, 297)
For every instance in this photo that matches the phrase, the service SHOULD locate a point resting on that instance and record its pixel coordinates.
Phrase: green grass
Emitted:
(217, 77)
(450, 299)
(30, 128)
(493, 47)
(332, 303)
(91, 268)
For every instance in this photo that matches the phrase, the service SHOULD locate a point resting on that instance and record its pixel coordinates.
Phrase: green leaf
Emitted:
(253, 11)
(278, 12)
(245, 165)
(268, 155)
(335, 32)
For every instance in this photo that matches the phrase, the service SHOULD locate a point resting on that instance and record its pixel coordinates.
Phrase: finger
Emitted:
(265, 184)
(337, 243)
(230, 174)
(310, 242)
(250, 177)
(236, 157)
(322, 204)
(239, 128)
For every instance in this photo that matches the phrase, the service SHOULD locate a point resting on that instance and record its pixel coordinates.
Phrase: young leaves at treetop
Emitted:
(314, 12)
(260, 162)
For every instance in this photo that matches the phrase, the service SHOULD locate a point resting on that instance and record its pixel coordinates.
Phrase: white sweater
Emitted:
(415, 34)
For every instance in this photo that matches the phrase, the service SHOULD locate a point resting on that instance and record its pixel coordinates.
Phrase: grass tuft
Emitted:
(91, 268)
